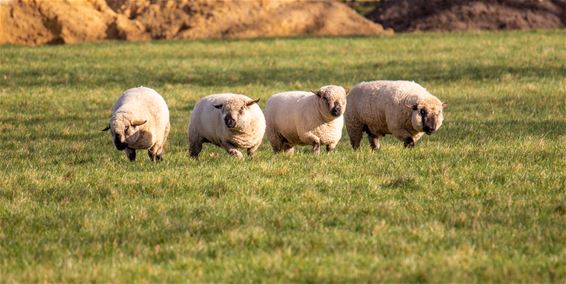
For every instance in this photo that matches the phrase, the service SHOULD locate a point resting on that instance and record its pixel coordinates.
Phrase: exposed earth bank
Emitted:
(463, 15)
(37, 22)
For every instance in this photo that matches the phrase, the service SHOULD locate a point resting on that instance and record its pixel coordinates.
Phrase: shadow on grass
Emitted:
(260, 75)
(500, 131)
(402, 183)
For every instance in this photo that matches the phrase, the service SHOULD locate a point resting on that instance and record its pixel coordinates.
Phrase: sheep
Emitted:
(306, 118)
(226, 120)
(140, 120)
(402, 108)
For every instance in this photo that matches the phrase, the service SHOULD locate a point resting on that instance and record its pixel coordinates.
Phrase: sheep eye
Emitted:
(126, 129)
(325, 98)
(423, 112)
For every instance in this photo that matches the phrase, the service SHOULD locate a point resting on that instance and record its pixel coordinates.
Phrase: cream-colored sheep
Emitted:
(402, 108)
(306, 118)
(140, 120)
(229, 121)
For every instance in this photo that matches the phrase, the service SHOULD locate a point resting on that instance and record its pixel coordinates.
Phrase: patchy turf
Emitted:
(482, 200)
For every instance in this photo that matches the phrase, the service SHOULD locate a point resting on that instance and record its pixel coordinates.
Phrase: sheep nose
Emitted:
(429, 130)
(230, 122)
(119, 145)
(336, 111)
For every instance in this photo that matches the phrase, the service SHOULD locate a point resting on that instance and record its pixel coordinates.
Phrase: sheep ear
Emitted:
(413, 107)
(138, 122)
(218, 106)
(347, 90)
(107, 128)
(252, 102)
(444, 105)
(317, 93)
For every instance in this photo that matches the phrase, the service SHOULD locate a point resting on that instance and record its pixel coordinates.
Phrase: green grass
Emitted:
(484, 199)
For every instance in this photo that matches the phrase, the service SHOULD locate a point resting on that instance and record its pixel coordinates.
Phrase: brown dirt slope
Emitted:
(69, 21)
(459, 15)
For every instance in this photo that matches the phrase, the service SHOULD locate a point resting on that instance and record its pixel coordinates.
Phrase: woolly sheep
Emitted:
(402, 108)
(140, 120)
(306, 118)
(229, 121)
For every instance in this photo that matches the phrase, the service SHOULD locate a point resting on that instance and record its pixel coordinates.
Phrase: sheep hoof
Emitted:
(236, 153)
(251, 152)
(131, 153)
(409, 142)
(316, 148)
(374, 143)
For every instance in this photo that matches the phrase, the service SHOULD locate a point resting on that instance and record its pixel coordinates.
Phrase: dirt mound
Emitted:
(459, 15)
(58, 21)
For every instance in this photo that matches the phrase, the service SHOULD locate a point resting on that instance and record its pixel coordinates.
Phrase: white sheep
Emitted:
(229, 121)
(402, 108)
(140, 120)
(306, 118)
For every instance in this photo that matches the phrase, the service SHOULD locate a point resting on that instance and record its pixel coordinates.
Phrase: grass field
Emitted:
(484, 199)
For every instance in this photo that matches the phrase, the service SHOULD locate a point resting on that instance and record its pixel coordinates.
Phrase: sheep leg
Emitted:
(131, 153)
(231, 149)
(251, 151)
(418, 136)
(374, 141)
(355, 132)
(280, 144)
(161, 148)
(159, 155)
(276, 145)
(276, 141)
(316, 148)
(331, 147)
(314, 141)
(152, 153)
(195, 146)
(405, 136)
(160, 151)
(412, 140)
(288, 148)
(409, 142)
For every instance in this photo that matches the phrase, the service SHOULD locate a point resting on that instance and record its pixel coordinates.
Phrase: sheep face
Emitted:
(331, 101)
(124, 130)
(426, 117)
(235, 112)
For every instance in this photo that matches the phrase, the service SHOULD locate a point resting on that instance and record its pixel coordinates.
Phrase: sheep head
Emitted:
(331, 101)
(235, 112)
(427, 115)
(124, 128)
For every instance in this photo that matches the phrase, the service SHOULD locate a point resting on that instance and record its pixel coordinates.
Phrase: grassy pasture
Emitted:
(484, 199)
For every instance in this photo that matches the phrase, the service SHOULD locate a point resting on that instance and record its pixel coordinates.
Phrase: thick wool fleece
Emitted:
(140, 120)
(306, 118)
(402, 108)
(208, 124)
